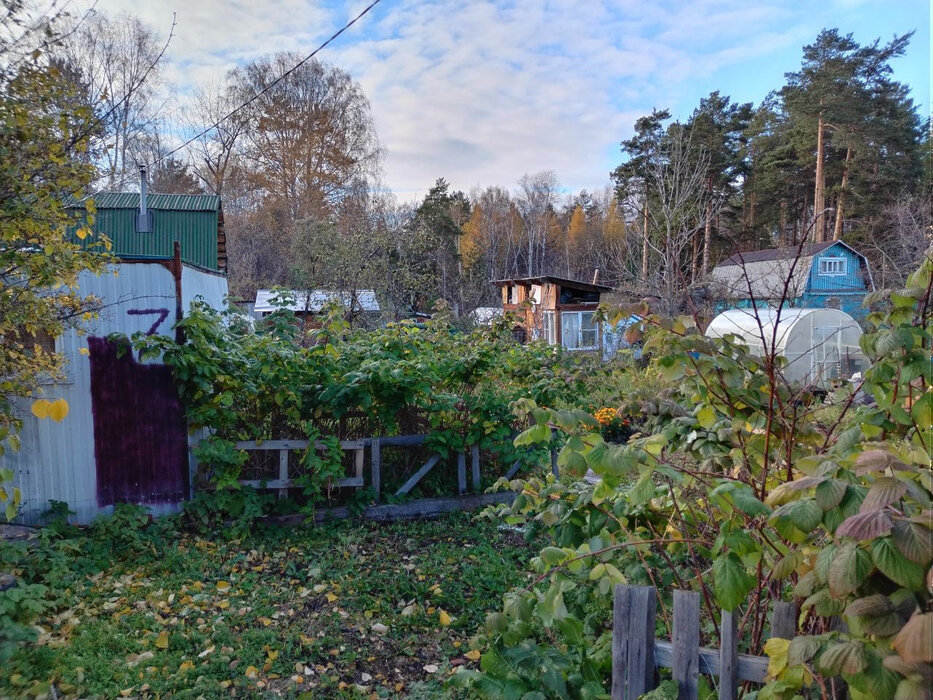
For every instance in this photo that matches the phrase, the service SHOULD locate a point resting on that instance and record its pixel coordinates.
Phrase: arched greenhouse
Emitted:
(819, 344)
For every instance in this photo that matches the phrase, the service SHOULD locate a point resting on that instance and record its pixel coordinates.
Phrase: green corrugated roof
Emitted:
(175, 202)
(191, 220)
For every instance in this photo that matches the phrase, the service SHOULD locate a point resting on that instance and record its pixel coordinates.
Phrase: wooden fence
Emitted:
(283, 482)
(636, 653)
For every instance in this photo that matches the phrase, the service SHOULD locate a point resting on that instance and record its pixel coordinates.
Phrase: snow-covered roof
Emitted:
(312, 301)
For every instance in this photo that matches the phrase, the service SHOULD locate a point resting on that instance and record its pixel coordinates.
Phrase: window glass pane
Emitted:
(570, 329)
(587, 329)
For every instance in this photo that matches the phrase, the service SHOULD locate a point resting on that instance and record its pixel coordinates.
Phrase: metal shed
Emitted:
(819, 344)
(125, 436)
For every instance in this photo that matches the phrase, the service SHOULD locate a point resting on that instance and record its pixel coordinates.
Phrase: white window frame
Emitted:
(577, 340)
(549, 327)
(832, 267)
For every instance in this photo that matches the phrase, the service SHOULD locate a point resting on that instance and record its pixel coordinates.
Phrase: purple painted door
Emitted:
(140, 434)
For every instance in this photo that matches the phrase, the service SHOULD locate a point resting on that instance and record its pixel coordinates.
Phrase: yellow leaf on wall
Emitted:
(40, 408)
(58, 409)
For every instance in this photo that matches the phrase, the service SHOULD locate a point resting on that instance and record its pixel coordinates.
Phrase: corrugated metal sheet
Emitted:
(56, 460)
(192, 220)
(130, 200)
(315, 300)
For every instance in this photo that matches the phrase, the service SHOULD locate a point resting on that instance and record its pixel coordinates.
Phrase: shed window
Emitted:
(832, 266)
(578, 330)
(548, 331)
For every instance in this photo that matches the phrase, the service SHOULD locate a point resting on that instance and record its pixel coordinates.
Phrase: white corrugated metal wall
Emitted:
(56, 460)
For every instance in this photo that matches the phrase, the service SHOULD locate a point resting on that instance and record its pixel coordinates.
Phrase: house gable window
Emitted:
(578, 330)
(832, 266)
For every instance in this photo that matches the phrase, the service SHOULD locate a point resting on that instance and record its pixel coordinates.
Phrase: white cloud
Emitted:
(483, 92)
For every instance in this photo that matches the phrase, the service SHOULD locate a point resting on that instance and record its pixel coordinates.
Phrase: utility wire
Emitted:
(267, 88)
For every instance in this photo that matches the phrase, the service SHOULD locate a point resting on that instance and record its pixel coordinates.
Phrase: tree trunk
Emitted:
(644, 245)
(819, 192)
(783, 224)
(837, 229)
(708, 229)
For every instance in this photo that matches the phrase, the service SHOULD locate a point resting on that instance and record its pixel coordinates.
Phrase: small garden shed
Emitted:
(819, 344)
(556, 310)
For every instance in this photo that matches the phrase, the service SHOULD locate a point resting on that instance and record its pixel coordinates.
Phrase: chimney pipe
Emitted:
(144, 218)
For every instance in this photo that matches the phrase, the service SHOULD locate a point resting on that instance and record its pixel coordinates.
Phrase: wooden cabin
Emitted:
(556, 310)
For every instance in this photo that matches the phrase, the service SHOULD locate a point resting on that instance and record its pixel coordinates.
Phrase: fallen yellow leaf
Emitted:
(40, 408)
(473, 655)
(223, 586)
(331, 597)
(252, 671)
(444, 618)
(162, 640)
(186, 666)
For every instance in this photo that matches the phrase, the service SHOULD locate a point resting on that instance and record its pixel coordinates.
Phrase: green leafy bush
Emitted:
(742, 492)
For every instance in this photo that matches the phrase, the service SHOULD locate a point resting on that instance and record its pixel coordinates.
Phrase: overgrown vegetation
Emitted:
(282, 382)
(738, 489)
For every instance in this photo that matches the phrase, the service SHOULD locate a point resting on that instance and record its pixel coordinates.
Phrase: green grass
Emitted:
(344, 610)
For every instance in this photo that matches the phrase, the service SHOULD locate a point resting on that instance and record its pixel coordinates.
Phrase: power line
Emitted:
(268, 87)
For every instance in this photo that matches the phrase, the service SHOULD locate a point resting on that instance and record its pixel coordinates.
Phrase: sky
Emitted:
(481, 93)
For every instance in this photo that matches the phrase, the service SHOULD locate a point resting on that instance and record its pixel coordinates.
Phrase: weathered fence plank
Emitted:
(784, 620)
(422, 509)
(750, 668)
(728, 657)
(375, 460)
(418, 475)
(633, 614)
(686, 638)
(461, 473)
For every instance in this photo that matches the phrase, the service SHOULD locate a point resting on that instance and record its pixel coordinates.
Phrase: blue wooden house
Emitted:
(830, 275)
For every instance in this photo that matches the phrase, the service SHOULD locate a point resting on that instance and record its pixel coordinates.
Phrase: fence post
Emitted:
(633, 612)
(728, 657)
(461, 472)
(283, 472)
(686, 639)
(784, 620)
(376, 460)
(474, 459)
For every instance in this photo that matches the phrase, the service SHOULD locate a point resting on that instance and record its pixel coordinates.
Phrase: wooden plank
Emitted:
(272, 445)
(418, 475)
(359, 455)
(784, 620)
(474, 460)
(402, 440)
(513, 469)
(686, 640)
(375, 458)
(283, 472)
(750, 668)
(728, 657)
(279, 484)
(295, 444)
(461, 473)
(422, 509)
(633, 614)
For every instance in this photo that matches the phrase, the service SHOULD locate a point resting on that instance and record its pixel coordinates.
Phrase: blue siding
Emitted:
(847, 290)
